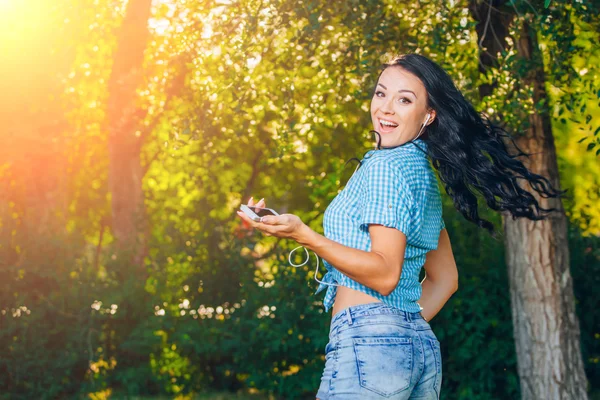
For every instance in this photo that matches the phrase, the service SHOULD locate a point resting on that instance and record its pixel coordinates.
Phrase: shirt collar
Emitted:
(418, 146)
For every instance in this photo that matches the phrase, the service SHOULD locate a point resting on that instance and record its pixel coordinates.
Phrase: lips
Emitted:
(387, 125)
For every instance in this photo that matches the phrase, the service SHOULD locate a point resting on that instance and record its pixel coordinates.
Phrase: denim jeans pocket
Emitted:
(384, 364)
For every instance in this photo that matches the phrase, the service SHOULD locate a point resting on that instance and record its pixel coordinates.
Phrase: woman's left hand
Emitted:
(283, 226)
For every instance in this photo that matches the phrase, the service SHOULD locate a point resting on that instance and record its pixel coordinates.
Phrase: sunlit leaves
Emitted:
(266, 99)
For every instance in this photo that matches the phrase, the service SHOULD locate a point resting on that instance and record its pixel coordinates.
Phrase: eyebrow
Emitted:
(401, 90)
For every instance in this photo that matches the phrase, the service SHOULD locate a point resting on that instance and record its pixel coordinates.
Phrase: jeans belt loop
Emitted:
(349, 317)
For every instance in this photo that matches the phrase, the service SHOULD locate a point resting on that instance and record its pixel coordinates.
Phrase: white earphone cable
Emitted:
(308, 258)
(422, 127)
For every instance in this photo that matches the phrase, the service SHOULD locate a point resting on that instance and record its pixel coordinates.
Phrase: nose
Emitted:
(386, 107)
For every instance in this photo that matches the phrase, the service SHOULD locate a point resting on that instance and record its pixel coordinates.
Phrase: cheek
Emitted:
(407, 114)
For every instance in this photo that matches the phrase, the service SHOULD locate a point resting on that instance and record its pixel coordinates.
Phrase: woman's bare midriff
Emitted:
(346, 297)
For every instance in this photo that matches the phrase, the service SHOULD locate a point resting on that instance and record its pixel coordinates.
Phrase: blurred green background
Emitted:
(176, 112)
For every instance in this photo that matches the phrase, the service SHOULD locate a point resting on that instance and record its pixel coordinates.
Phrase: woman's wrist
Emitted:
(303, 235)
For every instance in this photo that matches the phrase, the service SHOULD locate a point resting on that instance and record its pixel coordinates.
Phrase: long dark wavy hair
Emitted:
(470, 153)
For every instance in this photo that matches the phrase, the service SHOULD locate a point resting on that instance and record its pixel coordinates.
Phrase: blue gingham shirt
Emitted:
(396, 188)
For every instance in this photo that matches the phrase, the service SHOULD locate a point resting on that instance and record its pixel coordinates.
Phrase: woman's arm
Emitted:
(378, 269)
(441, 278)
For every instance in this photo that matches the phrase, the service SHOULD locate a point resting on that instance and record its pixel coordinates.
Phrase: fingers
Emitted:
(247, 219)
(260, 203)
(252, 203)
(267, 230)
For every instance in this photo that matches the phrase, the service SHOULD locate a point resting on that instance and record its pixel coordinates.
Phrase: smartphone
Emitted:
(257, 212)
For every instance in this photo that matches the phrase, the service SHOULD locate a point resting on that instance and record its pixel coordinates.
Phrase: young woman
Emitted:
(387, 224)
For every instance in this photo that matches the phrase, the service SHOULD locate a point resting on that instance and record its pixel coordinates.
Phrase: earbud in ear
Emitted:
(426, 119)
(423, 126)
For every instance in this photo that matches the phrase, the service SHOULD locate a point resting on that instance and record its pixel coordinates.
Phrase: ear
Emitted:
(432, 116)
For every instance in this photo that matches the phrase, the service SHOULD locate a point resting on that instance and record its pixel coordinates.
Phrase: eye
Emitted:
(404, 100)
(379, 93)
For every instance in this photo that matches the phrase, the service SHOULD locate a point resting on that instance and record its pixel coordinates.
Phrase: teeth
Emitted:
(387, 123)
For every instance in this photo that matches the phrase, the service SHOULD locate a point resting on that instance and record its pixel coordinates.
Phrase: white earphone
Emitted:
(423, 126)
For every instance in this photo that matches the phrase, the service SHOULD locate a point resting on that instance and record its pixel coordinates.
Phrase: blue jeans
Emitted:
(380, 352)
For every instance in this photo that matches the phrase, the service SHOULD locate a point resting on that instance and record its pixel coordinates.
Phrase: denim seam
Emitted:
(436, 357)
(334, 370)
(422, 351)
(344, 329)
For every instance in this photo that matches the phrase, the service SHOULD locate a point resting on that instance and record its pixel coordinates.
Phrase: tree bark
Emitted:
(546, 328)
(129, 223)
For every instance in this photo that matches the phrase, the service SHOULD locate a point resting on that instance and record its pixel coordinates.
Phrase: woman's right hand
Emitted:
(245, 228)
(261, 203)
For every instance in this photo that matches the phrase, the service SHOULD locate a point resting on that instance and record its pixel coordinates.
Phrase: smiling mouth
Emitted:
(387, 126)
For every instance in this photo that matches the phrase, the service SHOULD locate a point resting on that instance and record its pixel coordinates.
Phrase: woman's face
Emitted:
(399, 106)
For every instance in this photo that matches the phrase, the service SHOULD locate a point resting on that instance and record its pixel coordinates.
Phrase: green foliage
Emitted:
(266, 99)
(585, 254)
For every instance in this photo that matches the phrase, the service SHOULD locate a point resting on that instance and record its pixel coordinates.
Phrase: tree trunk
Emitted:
(125, 171)
(546, 328)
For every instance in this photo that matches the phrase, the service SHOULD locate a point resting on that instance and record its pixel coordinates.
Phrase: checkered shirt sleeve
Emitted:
(387, 199)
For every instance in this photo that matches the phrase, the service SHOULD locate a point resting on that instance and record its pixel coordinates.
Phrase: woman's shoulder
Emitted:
(416, 176)
(382, 165)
